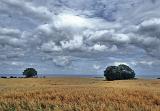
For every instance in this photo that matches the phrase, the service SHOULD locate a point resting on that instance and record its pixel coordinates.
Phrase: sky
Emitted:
(79, 36)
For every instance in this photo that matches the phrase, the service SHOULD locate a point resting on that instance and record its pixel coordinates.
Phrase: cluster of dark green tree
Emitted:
(30, 72)
(121, 72)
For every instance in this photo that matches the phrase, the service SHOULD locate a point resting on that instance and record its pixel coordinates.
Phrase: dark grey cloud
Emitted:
(71, 35)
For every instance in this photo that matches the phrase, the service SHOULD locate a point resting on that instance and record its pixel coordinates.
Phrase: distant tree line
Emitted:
(120, 72)
(28, 73)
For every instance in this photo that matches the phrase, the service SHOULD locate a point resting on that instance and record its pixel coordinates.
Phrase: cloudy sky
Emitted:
(79, 36)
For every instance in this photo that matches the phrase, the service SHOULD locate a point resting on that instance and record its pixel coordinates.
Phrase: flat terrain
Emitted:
(79, 94)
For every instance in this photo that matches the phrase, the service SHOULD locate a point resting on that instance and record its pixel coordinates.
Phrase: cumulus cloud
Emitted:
(61, 31)
(26, 9)
(50, 47)
(62, 61)
(73, 21)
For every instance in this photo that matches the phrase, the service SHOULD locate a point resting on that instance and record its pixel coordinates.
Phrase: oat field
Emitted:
(78, 94)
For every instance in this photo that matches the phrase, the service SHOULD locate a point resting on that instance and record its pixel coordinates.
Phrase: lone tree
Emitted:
(121, 72)
(30, 72)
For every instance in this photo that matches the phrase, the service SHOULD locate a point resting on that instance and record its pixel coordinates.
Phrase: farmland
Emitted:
(78, 94)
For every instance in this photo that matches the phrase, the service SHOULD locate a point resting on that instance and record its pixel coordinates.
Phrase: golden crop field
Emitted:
(78, 94)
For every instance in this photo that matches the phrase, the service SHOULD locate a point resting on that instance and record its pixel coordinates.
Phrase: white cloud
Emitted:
(118, 63)
(98, 47)
(75, 21)
(92, 29)
(9, 32)
(146, 62)
(96, 67)
(62, 61)
(27, 9)
(50, 47)
(75, 44)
